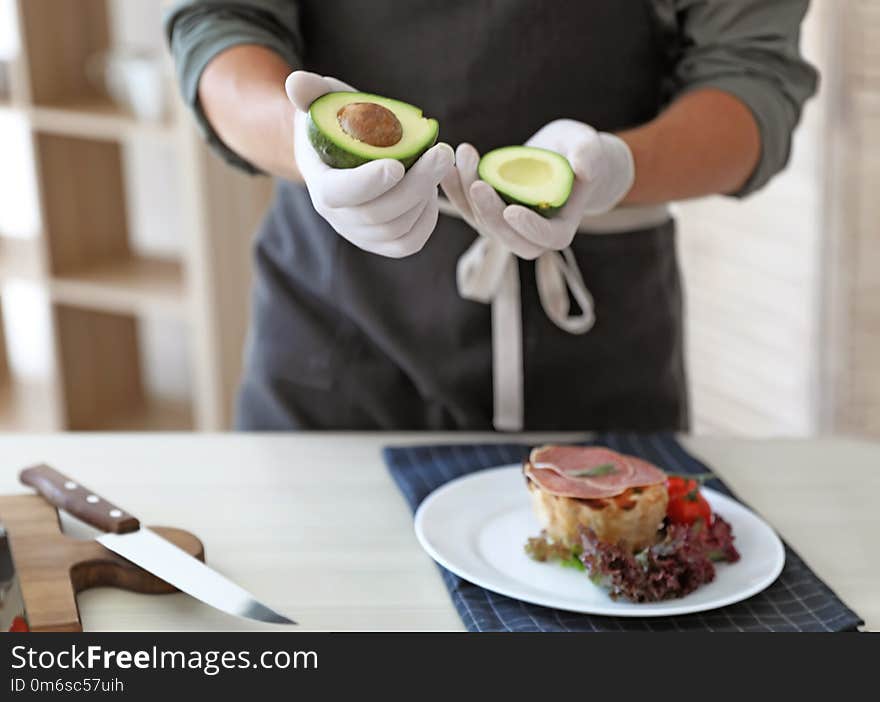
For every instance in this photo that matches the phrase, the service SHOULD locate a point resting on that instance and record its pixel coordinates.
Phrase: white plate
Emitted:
(476, 526)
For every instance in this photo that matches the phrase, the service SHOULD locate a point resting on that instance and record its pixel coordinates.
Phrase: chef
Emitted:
(379, 304)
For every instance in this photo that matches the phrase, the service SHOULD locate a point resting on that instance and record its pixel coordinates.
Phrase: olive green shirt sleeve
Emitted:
(750, 49)
(198, 30)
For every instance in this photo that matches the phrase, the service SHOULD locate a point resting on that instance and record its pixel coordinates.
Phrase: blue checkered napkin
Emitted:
(797, 601)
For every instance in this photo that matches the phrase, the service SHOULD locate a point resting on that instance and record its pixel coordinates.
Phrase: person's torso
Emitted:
(494, 71)
(383, 332)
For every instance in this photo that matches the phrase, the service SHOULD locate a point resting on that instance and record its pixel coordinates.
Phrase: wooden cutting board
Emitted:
(53, 568)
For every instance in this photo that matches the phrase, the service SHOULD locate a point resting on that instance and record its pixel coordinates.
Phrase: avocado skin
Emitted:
(548, 212)
(337, 157)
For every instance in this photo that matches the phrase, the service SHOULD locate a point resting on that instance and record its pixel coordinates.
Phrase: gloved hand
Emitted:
(378, 206)
(604, 172)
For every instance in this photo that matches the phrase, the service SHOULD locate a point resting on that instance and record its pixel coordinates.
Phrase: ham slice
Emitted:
(555, 469)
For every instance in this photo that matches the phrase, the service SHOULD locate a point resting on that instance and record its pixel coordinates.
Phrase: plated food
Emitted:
(475, 526)
(643, 535)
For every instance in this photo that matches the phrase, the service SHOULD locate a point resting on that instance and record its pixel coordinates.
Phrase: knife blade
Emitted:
(13, 616)
(125, 536)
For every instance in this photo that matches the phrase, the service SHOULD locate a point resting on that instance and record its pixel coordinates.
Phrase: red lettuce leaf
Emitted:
(675, 566)
(679, 563)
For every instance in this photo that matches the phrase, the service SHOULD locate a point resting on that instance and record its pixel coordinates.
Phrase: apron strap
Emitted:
(488, 273)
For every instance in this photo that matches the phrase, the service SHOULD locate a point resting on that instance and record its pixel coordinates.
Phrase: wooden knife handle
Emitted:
(78, 501)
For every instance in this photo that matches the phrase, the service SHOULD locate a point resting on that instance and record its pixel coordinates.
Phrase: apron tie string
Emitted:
(488, 273)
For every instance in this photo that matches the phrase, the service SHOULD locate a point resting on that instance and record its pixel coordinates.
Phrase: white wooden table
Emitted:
(313, 524)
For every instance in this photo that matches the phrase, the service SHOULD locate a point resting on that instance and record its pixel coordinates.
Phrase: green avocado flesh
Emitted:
(339, 149)
(528, 176)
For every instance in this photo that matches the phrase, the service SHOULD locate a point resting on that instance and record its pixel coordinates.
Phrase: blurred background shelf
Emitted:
(136, 285)
(27, 407)
(5, 83)
(155, 414)
(20, 259)
(97, 119)
(126, 292)
(104, 374)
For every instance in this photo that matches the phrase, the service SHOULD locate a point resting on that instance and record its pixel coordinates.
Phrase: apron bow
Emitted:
(488, 273)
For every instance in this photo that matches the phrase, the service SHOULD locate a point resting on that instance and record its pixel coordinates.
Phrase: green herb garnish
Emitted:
(542, 548)
(596, 472)
(700, 478)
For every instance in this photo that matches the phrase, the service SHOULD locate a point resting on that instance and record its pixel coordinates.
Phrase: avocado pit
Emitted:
(370, 123)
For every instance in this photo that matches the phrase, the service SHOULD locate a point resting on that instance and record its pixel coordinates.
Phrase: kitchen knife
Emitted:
(143, 547)
(12, 614)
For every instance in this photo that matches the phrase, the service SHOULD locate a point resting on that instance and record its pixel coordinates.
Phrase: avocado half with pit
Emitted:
(526, 175)
(349, 129)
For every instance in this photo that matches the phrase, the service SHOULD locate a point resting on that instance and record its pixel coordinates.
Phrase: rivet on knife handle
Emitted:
(78, 501)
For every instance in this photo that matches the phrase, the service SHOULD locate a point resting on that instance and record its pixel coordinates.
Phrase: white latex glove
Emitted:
(604, 173)
(378, 206)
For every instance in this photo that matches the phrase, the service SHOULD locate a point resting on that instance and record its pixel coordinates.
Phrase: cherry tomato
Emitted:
(677, 486)
(686, 504)
(19, 625)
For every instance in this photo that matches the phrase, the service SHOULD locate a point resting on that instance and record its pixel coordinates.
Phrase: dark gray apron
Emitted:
(343, 339)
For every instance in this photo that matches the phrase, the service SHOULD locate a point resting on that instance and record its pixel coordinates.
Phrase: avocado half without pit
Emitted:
(349, 129)
(526, 175)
